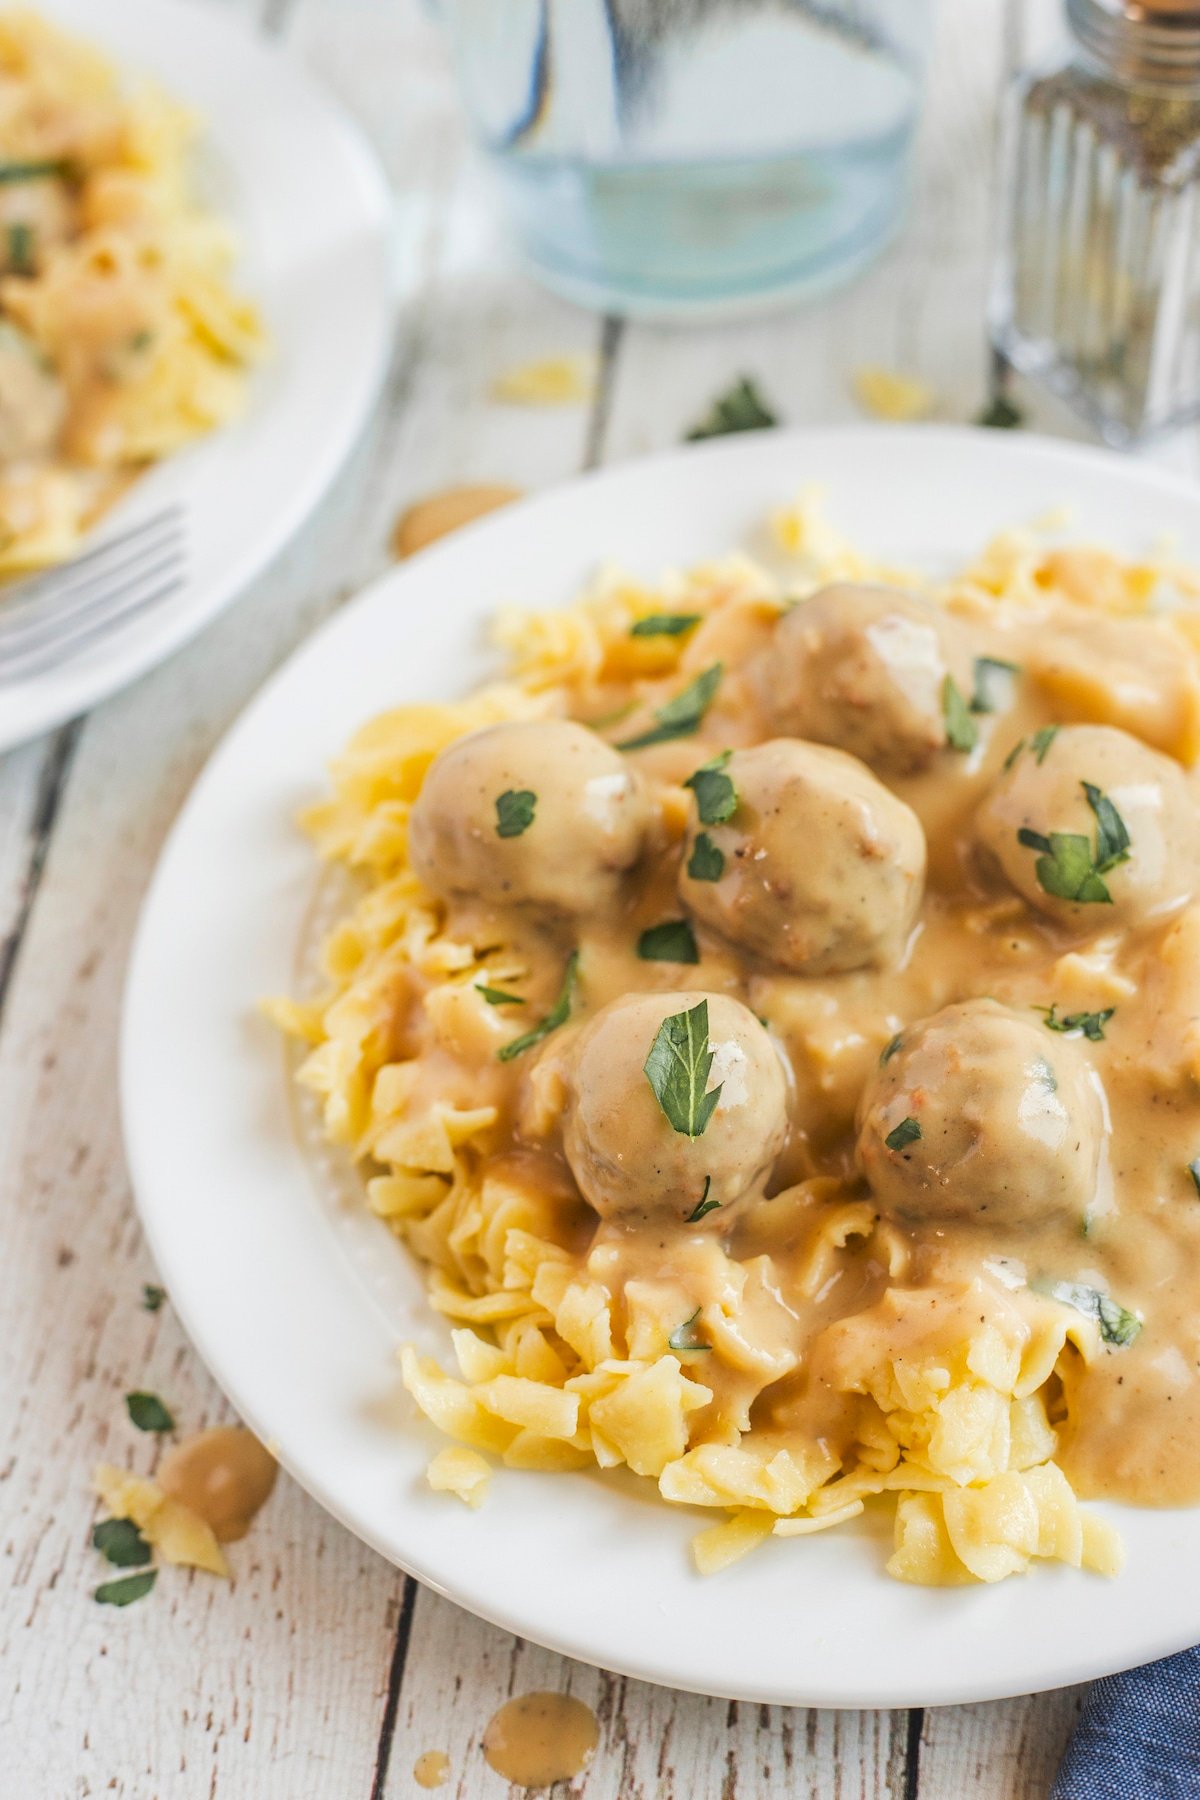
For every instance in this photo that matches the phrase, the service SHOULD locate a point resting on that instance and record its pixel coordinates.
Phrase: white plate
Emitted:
(297, 1305)
(311, 208)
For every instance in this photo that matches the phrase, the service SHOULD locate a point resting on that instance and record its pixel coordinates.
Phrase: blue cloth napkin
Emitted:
(1138, 1737)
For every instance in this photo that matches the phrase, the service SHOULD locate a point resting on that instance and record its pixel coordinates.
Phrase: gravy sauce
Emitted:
(224, 1474)
(540, 1738)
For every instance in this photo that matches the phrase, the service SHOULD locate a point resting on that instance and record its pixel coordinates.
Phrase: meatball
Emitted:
(625, 1153)
(864, 668)
(1093, 828)
(818, 868)
(979, 1114)
(539, 813)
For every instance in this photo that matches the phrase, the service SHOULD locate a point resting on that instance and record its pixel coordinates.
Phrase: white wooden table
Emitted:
(323, 1671)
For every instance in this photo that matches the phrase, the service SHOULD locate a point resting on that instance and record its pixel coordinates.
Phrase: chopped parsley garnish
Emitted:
(1013, 754)
(993, 677)
(742, 408)
(672, 941)
(684, 1338)
(1000, 414)
(514, 811)
(1067, 866)
(152, 1297)
(707, 861)
(1194, 1172)
(682, 715)
(704, 1205)
(148, 1412)
(716, 796)
(44, 170)
(121, 1543)
(677, 1068)
(128, 1589)
(558, 1015)
(665, 624)
(1041, 741)
(1117, 1324)
(905, 1133)
(1091, 1024)
(498, 997)
(20, 248)
(889, 1049)
(962, 733)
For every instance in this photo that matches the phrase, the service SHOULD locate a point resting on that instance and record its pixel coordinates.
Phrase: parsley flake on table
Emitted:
(665, 624)
(127, 1589)
(741, 408)
(905, 1133)
(148, 1412)
(682, 715)
(684, 1337)
(716, 796)
(1000, 414)
(558, 1015)
(514, 811)
(962, 733)
(707, 861)
(120, 1542)
(672, 941)
(152, 1297)
(678, 1067)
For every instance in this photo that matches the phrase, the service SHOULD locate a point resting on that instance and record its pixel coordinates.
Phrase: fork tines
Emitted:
(52, 617)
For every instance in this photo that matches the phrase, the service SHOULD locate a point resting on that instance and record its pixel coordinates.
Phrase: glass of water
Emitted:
(695, 158)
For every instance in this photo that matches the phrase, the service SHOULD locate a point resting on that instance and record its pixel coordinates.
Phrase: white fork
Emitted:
(55, 616)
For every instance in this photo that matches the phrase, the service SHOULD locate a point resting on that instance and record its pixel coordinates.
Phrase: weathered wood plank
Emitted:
(1008, 1751)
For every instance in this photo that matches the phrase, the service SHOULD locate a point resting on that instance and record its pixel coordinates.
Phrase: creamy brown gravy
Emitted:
(540, 1738)
(432, 1769)
(1136, 1410)
(224, 1474)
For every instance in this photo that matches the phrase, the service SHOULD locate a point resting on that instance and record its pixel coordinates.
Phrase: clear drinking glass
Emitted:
(675, 158)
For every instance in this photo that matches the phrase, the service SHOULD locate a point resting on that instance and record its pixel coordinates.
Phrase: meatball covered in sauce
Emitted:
(627, 1155)
(979, 1114)
(1093, 828)
(538, 813)
(865, 667)
(817, 868)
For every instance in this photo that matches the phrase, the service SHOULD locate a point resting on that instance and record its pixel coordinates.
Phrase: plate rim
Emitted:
(775, 446)
(72, 690)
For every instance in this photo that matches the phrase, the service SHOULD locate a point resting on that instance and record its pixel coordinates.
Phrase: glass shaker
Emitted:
(1096, 289)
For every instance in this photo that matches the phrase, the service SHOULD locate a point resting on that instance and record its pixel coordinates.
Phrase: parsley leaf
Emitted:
(716, 796)
(1000, 414)
(1041, 741)
(152, 1297)
(497, 996)
(514, 811)
(684, 1338)
(962, 733)
(1091, 1024)
(665, 624)
(889, 1049)
(992, 677)
(742, 408)
(682, 715)
(707, 861)
(121, 1543)
(20, 248)
(1112, 839)
(125, 1591)
(34, 171)
(672, 941)
(704, 1205)
(558, 1015)
(1067, 866)
(1013, 754)
(1194, 1172)
(148, 1412)
(677, 1068)
(1117, 1324)
(906, 1132)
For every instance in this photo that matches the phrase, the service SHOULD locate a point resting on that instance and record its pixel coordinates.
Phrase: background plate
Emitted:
(296, 1301)
(310, 206)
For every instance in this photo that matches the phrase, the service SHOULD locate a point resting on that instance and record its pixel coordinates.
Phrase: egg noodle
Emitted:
(950, 1401)
(120, 340)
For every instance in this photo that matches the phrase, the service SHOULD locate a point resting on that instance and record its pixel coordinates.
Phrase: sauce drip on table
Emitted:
(224, 1474)
(540, 1738)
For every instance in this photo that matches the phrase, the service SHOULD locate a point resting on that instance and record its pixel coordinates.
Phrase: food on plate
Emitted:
(120, 340)
(770, 1016)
